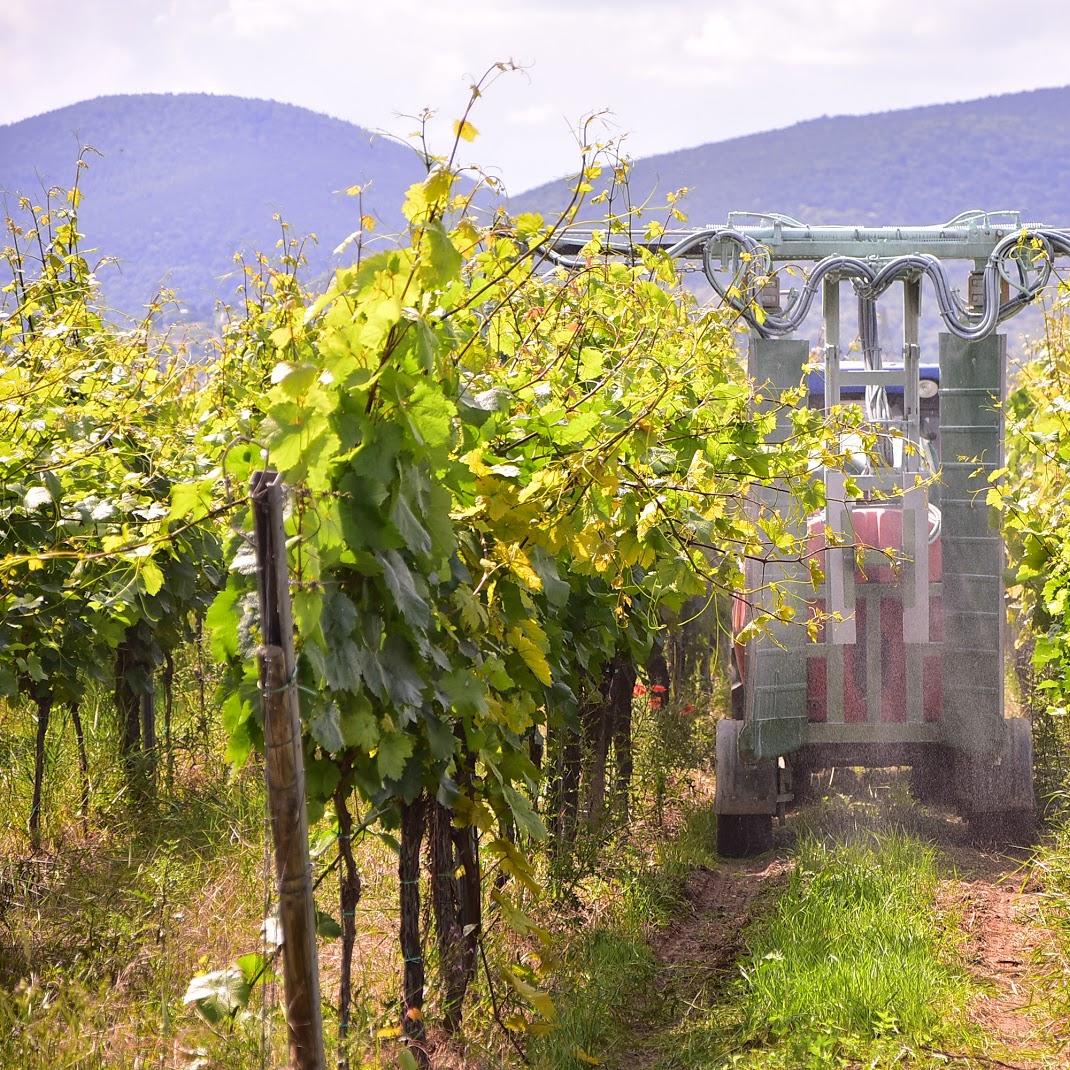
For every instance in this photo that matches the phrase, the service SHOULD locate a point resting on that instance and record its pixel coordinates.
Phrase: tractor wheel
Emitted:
(744, 835)
(1008, 828)
(802, 783)
(930, 783)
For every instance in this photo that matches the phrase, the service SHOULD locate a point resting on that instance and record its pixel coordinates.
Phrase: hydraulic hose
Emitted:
(871, 279)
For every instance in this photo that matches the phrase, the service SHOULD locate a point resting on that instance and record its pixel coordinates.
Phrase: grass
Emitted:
(853, 963)
(611, 969)
(102, 929)
(1051, 866)
(850, 964)
(100, 932)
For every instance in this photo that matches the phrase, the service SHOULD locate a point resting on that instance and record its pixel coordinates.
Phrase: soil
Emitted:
(720, 903)
(988, 894)
(996, 905)
(702, 946)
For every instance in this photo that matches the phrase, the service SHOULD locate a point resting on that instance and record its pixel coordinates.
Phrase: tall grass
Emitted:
(853, 958)
(612, 972)
(1051, 866)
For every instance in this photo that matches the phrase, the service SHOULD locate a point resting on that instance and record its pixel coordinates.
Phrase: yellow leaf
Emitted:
(532, 656)
(518, 562)
(367, 222)
(354, 191)
(151, 576)
(463, 129)
(34, 564)
(538, 999)
(647, 519)
(584, 1057)
(474, 460)
(281, 337)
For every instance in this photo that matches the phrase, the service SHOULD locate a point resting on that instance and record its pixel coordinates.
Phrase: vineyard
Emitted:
(518, 496)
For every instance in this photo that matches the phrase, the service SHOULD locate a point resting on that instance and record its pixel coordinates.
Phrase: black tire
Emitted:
(802, 784)
(744, 835)
(931, 784)
(1008, 828)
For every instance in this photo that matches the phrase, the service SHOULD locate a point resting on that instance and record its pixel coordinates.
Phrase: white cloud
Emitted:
(675, 72)
(532, 115)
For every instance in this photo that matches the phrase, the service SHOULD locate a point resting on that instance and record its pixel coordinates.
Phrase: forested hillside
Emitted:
(184, 181)
(918, 165)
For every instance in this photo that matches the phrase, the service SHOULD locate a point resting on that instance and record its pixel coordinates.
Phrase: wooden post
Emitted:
(284, 772)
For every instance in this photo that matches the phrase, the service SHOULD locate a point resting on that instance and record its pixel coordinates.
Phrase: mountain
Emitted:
(186, 180)
(917, 165)
(913, 166)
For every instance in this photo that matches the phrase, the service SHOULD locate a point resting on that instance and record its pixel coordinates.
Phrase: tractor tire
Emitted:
(1009, 828)
(802, 785)
(931, 784)
(744, 835)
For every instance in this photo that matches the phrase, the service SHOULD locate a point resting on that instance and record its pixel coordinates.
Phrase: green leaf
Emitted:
(402, 585)
(412, 531)
(188, 499)
(359, 727)
(440, 737)
(526, 819)
(222, 621)
(321, 778)
(294, 382)
(218, 995)
(395, 749)
(252, 966)
(445, 261)
(431, 415)
(235, 712)
(465, 692)
(555, 588)
(36, 497)
(342, 664)
(537, 998)
(326, 927)
(151, 576)
(326, 728)
(404, 683)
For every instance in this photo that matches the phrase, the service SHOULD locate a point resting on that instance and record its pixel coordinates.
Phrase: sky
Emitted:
(670, 73)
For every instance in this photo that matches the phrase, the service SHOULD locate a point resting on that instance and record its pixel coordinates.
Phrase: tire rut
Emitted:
(997, 905)
(703, 944)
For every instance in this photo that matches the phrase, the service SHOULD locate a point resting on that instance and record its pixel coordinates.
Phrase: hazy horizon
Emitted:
(672, 75)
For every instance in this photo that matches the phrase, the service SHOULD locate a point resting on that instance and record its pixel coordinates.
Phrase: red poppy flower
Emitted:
(639, 690)
(659, 689)
(655, 703)
(689, 708)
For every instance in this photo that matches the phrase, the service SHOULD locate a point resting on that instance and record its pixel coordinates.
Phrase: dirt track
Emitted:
(996, 905)
(987, 894)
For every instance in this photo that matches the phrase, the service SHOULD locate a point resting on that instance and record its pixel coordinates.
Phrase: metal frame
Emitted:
(1011, 262)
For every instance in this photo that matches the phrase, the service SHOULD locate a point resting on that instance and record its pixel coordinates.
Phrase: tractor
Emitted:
(908, 666)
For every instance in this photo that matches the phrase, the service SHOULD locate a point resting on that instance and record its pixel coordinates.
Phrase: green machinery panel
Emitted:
(971, 448)
(775, 684)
